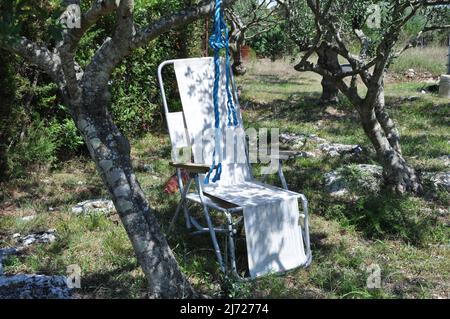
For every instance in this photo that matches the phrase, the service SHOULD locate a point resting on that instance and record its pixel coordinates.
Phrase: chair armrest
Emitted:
(285, 154)
(192, 167)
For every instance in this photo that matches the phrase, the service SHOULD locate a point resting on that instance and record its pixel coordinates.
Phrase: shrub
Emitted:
(66, 136)
(36, 147)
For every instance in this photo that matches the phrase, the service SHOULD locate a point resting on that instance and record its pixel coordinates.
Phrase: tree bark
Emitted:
(328, 59)
(237, 66)
(388, 125)
(397, 173)
(237, 40)
(111, 153)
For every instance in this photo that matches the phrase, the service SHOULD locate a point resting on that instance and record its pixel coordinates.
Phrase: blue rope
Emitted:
(218, 41)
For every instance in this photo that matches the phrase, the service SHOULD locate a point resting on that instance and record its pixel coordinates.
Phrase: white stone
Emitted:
(337, 183)
(103, 206)
(45, 237)
(300, 139)
(445, 159)
(439, 180)
(28, 218)
(336, 149)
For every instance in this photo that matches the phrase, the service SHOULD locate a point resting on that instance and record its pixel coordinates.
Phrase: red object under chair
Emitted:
(171, 186)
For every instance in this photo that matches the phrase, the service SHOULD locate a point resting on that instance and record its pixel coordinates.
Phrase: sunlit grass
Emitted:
(427, 59)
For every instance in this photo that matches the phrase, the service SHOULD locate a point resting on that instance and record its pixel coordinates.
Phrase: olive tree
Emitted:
(248, 19)
(301, 30)
(86, 95)
(363, 82)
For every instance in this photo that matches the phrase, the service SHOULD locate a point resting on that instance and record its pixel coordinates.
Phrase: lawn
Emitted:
(406, 237)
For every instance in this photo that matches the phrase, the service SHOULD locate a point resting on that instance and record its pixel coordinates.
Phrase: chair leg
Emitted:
(306, 230)
(210, 226)
(231, 243)
(182, 203)
(175, 216)
(281, 175)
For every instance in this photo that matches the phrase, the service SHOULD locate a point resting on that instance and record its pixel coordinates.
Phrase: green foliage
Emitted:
(272, 44)
(7, 112)
(36, 19)
(37, 147)
(359, 180)
(66, 135)
(135, 92)
(350, 15)
(134, 89)
(388, 216)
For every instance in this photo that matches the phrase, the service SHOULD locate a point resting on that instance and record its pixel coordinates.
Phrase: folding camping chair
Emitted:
(276, 241)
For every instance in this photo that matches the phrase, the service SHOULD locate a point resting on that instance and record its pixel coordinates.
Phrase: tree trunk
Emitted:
(111, 152)
(329, 92)
(386, 122)
(328, 60)
(238, 66)
(397, 173)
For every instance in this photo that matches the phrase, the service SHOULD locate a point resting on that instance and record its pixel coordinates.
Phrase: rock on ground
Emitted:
(445, 159)
(299, 140)
(439, 180)
(91, 206)
(368, 178)
(34, 287)
(28, 218)
(336, 149)
(43, 237)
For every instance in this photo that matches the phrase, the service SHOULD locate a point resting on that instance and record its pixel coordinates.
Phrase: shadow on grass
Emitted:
(434, 111)
(425, 145)
(388, 216)
(116, 283)
(303, 108)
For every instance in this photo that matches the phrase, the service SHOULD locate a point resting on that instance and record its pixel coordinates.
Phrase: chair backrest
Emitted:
(195, 79)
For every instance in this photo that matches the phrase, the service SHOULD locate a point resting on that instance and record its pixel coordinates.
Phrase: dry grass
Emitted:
(429, 59)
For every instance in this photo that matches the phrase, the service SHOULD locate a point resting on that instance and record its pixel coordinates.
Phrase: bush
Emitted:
(8, 117)
(27, 95)
(66, 136)
(401, 217)
(37, 147)
(273, 44)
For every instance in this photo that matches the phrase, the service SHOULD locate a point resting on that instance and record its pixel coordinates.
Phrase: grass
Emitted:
(427, 59)
(405, 236)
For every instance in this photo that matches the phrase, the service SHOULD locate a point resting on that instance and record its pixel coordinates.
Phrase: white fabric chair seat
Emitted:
(271, 216)
(248, 193)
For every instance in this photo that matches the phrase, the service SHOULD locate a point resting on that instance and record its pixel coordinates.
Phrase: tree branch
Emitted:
(145, 35)
(113, 50)
(71, 37)
(39, 55)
